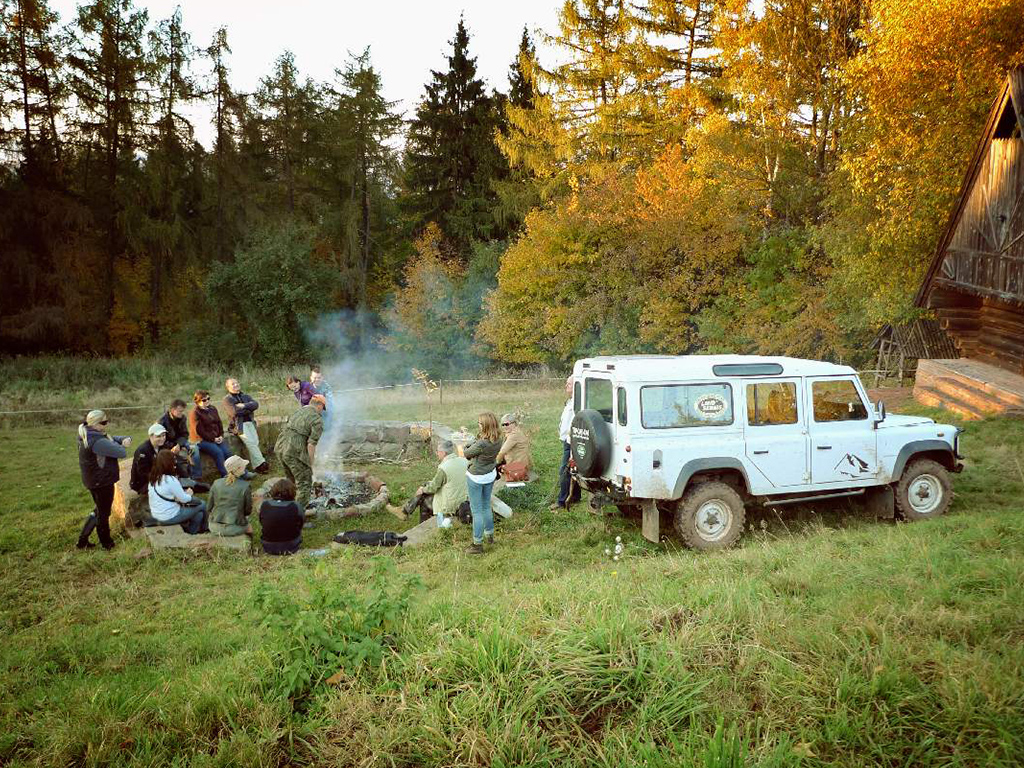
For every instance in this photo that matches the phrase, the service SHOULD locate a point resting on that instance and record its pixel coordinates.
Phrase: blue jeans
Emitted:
(480, 504)
(192, 517)
(220, 453)
(565, 480)
(197, 466)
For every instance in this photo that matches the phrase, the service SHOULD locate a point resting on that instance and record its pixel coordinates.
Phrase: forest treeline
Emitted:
(676, 176)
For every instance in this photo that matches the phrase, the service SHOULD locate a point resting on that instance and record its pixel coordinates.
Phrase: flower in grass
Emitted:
(607, 552)
(615, 573)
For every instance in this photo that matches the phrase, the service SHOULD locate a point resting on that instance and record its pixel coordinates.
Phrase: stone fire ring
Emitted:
(371, 507)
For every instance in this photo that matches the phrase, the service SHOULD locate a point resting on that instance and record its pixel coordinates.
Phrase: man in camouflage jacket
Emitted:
(297, 445)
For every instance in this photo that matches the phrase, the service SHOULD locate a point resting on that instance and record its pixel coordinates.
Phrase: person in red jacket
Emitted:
(206, 430)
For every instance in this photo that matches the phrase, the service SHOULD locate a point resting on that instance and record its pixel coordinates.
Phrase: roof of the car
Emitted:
(675, 367)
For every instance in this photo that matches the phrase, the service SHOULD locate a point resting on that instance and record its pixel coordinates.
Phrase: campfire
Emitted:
(347, 494)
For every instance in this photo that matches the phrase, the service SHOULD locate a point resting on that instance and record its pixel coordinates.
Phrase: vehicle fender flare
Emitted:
(694, 466)
(918, 446)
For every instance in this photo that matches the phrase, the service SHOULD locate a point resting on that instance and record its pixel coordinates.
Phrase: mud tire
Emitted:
(924, 491)
(710, 516)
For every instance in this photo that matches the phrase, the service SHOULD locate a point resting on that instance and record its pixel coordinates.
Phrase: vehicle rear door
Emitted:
(776, 431)
(842, 434)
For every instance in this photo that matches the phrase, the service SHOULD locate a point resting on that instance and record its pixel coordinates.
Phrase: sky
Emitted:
(407, 38)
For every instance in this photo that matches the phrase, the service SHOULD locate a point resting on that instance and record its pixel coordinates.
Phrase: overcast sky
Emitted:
(407, 38)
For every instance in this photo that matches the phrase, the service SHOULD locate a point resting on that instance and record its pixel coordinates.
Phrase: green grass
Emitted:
(824, 639)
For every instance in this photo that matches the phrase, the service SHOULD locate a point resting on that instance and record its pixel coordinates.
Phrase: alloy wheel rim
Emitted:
(713, 520)
(925, 494)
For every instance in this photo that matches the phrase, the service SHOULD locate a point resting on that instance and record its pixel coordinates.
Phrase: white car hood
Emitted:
(893, 420)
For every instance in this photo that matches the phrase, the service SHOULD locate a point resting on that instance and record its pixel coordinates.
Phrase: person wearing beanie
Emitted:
(98, 453)
(231, 501)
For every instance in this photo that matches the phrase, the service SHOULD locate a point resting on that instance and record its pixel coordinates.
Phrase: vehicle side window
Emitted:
(685, 405)
(577, 397)
(837, 400)
(621, 392)
(598, 396)
(771, 403)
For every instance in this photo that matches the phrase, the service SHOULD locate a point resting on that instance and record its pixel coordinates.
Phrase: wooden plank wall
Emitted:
(978, 295)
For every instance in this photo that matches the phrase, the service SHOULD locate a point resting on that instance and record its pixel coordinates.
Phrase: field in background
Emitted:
(825, 639)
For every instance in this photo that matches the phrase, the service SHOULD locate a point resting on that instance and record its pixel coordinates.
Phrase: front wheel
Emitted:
(924, 491)
(710, 516)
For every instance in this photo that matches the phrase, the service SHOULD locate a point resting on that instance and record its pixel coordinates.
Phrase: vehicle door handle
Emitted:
(824, 447)
(760, 453)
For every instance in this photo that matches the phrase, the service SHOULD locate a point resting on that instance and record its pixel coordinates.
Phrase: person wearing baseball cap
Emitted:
(231, 500)
(145, 454)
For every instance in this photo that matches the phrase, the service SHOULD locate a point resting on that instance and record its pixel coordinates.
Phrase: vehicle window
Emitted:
(622, 406)
(685, 405)
(598, 394)
(577, 397)
(837, 400)
(771, 403)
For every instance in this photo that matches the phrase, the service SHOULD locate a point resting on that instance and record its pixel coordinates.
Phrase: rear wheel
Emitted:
(710, 516)
(924, 491)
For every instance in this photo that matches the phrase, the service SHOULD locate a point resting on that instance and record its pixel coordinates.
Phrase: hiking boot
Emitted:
(555, 507)
(85, 545)
(475, 549)
(398, 512)
(263, 469)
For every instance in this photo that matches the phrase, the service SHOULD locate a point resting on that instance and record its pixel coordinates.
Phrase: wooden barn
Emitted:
(975, 284)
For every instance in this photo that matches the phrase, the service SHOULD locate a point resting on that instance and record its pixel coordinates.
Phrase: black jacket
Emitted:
(97, 459)
(142, 463)
(240, 408)
(177, 429)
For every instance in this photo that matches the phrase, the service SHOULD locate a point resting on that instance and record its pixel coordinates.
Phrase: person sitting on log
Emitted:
(241, 422)
(231, 501)
(445, 492)
(145, 455)
(281, 520)
(169, 503)
(302, 390)
(206, 430)
(296, 445)
(186, 452)
(514, 456)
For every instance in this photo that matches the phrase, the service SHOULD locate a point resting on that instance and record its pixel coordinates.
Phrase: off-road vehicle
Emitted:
(701, 437)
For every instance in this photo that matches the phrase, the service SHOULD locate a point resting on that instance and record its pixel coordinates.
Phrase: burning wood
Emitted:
(337, 493)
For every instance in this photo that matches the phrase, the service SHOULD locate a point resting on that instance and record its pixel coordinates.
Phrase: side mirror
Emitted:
(879, 413)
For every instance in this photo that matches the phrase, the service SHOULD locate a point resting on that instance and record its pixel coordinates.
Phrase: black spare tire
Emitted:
(590, 439)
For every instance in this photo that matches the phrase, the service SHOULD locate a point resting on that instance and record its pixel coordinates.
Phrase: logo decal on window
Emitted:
(709, 406)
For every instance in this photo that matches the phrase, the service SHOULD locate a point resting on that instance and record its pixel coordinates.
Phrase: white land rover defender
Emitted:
(701, 436)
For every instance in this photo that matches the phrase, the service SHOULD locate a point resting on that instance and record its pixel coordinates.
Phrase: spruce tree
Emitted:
(451, 157)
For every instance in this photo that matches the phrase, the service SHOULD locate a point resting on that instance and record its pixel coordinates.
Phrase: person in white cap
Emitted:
(145, 455)
(231, 500)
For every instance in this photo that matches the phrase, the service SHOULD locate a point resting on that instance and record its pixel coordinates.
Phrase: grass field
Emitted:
(825, 639)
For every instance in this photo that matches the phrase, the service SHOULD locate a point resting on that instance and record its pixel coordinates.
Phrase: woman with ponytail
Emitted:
(97, 458)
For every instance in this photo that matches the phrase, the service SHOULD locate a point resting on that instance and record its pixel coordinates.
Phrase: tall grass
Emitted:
(826, 639)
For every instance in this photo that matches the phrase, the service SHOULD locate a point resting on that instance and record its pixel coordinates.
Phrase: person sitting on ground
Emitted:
(241, 422)
(206, 430)
(302, 390)
(514, 456)
(445, 492)
(98, 453)
(186, 452)
(482, 454)
(568, 491)
(296, 445)
(231, 501)
(169, 503)
(281, 520)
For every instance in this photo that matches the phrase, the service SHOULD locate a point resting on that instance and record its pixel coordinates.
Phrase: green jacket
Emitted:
(304, 426)
(449, 485)
(229, 505)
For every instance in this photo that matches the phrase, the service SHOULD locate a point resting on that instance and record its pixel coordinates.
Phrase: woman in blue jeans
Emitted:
(169, 503)
(481, 475)
(206, 430)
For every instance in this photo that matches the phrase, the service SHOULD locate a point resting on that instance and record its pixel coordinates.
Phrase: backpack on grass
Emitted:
(371, 538)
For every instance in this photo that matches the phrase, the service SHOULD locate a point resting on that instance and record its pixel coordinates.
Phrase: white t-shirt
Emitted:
(490, 477)
(566, 423)
(169, 488)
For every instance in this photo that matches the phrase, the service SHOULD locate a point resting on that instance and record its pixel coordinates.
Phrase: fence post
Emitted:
(440, 391)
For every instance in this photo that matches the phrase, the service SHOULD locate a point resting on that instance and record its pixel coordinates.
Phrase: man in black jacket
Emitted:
(240, 408)
(145, 455)
(176, 424)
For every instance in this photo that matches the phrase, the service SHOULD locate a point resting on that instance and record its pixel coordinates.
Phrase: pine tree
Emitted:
(366, 123)
(451, 156)
(108, 72)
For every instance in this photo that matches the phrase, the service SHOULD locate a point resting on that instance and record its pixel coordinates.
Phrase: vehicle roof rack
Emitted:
(747, 369)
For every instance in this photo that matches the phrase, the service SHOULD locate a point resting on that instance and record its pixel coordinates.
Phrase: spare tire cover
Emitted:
(590, 439)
